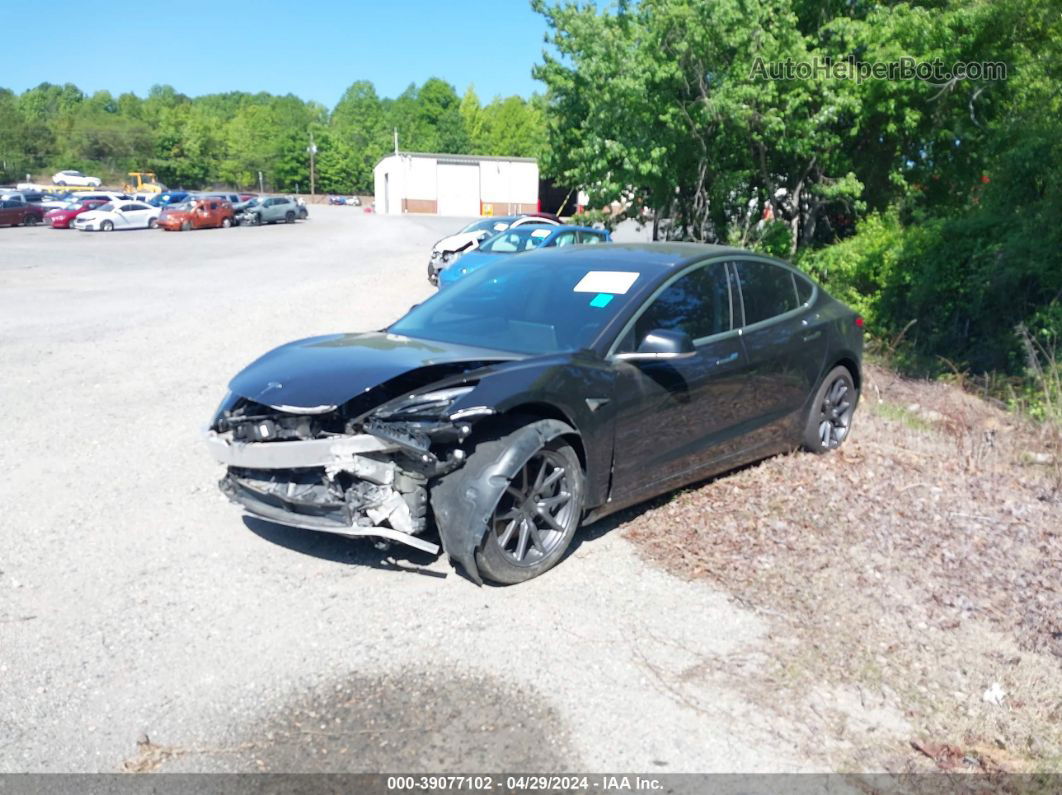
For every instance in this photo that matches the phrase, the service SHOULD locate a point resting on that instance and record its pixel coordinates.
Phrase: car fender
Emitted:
(464, 500)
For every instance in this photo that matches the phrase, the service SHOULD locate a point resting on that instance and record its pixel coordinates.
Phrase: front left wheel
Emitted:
(535, 516)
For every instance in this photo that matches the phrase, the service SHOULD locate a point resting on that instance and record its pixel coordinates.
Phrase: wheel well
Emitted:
(850, 365)
(547, 411)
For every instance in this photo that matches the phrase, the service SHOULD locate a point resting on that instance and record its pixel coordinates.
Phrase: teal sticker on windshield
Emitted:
(601, 300)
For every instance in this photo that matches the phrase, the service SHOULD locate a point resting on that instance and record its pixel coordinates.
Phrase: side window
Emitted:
(127, 207)
(697, 303)
(590, 238)
(564, 239)
(804, 289)
(766, 290)
(213, 205)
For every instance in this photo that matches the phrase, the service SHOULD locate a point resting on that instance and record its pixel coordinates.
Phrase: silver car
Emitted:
(270, 210)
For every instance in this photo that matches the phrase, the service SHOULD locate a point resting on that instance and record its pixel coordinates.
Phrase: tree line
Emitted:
(227, 139)
(930, 201)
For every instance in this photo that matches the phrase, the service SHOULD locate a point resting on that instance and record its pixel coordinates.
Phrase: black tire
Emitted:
(31, 220)
(186, 226)
(153, 223)
(106, 226)
(521, 542)
(289, 216)
(61, 183)
(830, 415)
(257, 219)
(226, 222)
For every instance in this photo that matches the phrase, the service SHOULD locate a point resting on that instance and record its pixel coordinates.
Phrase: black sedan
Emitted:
(538, 394)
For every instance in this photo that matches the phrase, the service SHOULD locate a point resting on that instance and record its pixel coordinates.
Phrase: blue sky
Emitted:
(313, 49)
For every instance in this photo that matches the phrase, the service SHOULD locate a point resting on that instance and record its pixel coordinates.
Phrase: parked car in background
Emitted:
(12, 195)
(199, 213)
(118, 215)
(449, 248)
(516, 240)
(63, 217)
(56, 201)
(270, 210)
(169, 197)
(107, 196)
(540, 393)
(14, 212)
(75, 178)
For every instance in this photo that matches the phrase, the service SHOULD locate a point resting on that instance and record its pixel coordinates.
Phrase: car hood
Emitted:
(330, 370)
(458, 242)
(468, 262)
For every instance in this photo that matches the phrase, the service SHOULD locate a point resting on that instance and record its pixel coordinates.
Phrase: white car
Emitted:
(118, 215)
(453, 246)
(75, 178)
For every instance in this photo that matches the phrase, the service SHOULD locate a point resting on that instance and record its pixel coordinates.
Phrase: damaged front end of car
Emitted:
(344, 469)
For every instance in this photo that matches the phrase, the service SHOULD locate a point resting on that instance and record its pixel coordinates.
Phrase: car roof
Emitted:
(647, 257)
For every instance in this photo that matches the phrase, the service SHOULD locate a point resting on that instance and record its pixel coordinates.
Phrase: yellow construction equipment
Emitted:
(143, 182)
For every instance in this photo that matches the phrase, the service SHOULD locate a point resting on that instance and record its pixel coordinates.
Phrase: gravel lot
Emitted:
(144, 625)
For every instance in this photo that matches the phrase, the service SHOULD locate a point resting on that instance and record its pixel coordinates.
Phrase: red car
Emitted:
(14, 212)
(64, 216)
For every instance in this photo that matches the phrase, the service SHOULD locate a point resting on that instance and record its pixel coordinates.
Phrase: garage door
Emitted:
(458, 188)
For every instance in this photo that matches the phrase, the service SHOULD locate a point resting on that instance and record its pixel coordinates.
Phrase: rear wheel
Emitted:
(830, 417)
(226, 222)
(31, 220)
(107, 226)
(152, 223)
(61, 183)
(185, 226)
(289, 217)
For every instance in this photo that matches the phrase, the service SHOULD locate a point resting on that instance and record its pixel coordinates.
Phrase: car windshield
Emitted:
(72, 206)
(524, 304)
(487, 225)
(523, 238)
(184, 206)
(105, 208)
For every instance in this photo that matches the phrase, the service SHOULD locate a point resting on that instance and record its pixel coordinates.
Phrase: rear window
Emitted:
(766, 290)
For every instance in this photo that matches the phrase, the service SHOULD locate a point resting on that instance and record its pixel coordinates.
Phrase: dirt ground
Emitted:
(914, 576)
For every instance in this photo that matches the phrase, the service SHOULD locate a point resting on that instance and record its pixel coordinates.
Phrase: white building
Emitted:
(413, 182)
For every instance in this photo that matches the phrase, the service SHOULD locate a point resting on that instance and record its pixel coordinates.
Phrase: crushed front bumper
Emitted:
(347, 485)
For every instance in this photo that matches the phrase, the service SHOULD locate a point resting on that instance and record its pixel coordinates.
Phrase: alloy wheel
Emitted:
(835, 413)
(535, 510)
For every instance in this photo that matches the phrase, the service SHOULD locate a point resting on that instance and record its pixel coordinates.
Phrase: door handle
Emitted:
(727, 359)
(813, 336)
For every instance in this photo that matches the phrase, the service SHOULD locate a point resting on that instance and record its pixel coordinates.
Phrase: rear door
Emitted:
(784, 342)
(9, 215)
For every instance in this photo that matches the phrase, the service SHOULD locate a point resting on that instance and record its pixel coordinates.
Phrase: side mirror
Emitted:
(661, 345)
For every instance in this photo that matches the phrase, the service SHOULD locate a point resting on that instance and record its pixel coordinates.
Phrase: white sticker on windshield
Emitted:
(616, 282)
(500, 227)
(540, 233)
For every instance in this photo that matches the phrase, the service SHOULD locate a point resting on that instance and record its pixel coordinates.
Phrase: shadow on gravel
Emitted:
(338, 549)
(419, 719)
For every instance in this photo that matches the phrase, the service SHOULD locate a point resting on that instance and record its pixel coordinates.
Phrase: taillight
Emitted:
(859, 321)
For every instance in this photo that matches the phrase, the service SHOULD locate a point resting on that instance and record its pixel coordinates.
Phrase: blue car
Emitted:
(168, 198)
(528, 237)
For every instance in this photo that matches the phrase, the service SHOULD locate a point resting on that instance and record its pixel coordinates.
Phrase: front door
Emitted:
(676, 417)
